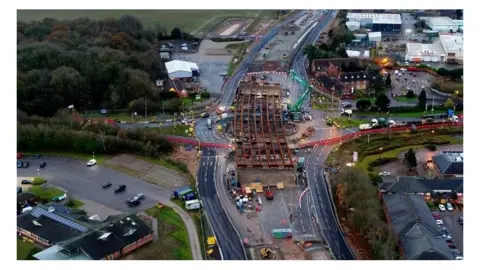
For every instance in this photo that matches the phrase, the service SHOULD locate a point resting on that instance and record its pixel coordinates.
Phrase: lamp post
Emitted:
(380, 155)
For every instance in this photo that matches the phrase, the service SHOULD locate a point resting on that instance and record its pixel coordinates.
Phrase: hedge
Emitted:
(382, 161)
(38, 181)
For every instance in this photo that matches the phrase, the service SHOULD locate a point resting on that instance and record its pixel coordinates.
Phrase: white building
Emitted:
(375, 36)
(181, 69)
(453, 48)
(419, 52)
(378, 22)
(353, 25)
(443, 24)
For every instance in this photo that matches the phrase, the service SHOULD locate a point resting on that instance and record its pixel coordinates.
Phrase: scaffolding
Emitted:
(259, 130)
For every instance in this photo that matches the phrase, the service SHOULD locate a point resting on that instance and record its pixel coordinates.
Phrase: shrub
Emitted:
(70, 203)
(431, 147)
(38, 181)
(205, 95)
(382, 161)
(370, 169)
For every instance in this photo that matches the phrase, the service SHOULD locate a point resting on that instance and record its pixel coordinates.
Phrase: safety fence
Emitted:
(335, 140)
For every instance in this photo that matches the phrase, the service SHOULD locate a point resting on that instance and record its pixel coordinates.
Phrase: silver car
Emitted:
(139, 197)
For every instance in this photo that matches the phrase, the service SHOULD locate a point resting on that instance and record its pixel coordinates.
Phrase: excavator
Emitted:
(295, 109)
(268, 254)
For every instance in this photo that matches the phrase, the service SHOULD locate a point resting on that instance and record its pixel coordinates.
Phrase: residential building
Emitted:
(354, 81)
(181, 69)
(419, 237)
(453, 48)
(68, 234)
(449, 163)
(378, 22)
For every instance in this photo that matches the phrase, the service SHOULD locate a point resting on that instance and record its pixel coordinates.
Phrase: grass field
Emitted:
(46, 193)
(344, 122)
(99, 158)
(193, 21)
(24, 249)
(406, 99)
(173, 242)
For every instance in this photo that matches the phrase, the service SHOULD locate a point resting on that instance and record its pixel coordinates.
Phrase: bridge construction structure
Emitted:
(259, 127)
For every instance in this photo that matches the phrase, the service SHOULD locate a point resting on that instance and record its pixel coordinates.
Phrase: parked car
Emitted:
(133, 203)
(26, 182)
(120, 188)
(441, 207)
(385, 173)
(26, 164)
(449, 207)
(451, 245)
(91, 162)
(139, 197)
(460, 220)
(439, 222)
(19, 164)
(436, 215)
(43, 164)
(107, 185)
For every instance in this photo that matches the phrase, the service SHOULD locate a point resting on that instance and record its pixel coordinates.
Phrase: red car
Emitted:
(19, 155)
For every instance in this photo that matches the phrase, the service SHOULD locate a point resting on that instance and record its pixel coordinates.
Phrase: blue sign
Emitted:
(103, 111)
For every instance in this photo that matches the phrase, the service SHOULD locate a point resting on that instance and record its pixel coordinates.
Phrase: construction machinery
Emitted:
(268, 254)
(295, 109)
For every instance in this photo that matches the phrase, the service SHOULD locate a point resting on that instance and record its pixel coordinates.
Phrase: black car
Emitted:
(120, 188)
(133, 203)
(43, 164)
(26, 182)
(107, 185)
(26, 164)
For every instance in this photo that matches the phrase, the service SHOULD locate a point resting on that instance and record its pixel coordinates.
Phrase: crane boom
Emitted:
(308, 88)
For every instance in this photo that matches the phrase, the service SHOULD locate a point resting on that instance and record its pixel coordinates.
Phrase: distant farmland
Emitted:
(193, 21)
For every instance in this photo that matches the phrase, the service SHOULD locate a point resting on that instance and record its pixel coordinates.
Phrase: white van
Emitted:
(192, 204)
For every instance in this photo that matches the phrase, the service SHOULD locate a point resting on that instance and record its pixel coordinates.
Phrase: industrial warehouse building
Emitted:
(443, 24)
(449, 49)
(387, 23)
(182, 69)
(453, 47)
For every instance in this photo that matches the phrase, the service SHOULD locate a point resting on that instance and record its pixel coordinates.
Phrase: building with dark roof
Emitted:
(71, 235)
(449, 163)
(418, 235)
(411, 185)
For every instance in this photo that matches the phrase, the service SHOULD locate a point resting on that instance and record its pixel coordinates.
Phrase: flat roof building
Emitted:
(453, 48)
(420, 52)
(380, 22)
(443, 24)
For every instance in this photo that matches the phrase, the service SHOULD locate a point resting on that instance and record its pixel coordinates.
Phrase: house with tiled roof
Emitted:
(449, 163)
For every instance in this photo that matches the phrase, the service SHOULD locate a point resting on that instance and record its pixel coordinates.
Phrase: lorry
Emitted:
(378, 123)
(209, 123)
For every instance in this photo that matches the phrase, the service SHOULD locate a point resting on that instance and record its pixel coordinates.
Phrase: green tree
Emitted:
(388, 81)
(176, 33)
(459, 13)
(410, 94)
(449, 104)
(363, 105)
(382, 102)
(422, 99)
(410, 159)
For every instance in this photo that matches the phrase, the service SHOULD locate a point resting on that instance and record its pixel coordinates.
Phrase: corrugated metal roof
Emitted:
(177, 65)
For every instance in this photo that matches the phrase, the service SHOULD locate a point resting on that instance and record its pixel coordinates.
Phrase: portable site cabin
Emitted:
(176, 192)
(192, 204)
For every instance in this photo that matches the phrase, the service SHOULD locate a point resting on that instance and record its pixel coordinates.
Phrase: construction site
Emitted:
(264, 187)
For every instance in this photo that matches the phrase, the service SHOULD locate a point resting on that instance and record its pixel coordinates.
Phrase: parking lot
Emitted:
(179, 46)
(401, 84)
(450, 222)
(85, 183)
(210, 66)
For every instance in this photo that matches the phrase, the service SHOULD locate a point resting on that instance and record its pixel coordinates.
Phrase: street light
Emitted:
(380, 155)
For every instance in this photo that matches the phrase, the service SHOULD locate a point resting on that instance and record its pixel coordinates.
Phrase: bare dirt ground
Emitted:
(231, 27)
(262, 27)
(187, 157)
(155, 174)
(270, 177)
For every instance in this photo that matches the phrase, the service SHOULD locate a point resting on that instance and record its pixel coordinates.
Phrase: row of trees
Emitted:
(358, 197)
(334, 47)
(60, 133)
(86, 63)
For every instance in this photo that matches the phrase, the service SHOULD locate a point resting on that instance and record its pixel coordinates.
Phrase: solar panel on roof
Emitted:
(37, 212)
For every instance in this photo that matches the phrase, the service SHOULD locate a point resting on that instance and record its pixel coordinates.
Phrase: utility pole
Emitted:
(333, 89)
(146, 118)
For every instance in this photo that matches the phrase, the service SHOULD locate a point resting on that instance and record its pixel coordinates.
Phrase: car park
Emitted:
(441, 207)
(26, 164)
(449, 207)
(26, 182)
(91, 162)
(43, 164)
(107, 185)
(120, 188)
